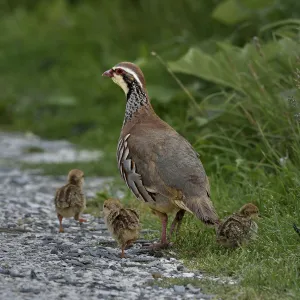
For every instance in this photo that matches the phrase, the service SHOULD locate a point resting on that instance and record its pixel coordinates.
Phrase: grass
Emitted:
(267, 269)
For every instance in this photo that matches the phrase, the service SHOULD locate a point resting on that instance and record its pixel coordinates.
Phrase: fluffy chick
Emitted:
(70, 200)
(122, 223)
(239, 228)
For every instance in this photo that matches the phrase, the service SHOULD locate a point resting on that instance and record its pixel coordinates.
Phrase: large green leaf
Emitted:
(230, 12)
(230, 66)
(234, 11)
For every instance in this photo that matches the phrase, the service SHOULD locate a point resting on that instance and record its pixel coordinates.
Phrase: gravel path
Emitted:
(36, 262)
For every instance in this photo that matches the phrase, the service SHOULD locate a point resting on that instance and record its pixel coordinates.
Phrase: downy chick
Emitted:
(122, 223)
(239, 228)
(69, 200)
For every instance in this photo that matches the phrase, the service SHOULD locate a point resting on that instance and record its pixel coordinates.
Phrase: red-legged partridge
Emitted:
(159, 166)
(239, 228)
(69, 200)
(122, 223)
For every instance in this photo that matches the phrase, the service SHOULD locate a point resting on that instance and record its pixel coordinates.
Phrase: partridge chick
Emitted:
(69, 200)
(158, 165)
(122, 223)
(239, 228)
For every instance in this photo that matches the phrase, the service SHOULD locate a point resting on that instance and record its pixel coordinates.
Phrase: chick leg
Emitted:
(177, 222)
(61, 229)
(122, 253)
(81, 220)
(127, 244)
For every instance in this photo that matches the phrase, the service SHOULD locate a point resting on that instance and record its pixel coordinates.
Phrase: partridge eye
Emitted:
(119, 71)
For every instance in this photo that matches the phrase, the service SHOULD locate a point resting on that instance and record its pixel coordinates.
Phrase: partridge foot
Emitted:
(82, 220)
(159, 246)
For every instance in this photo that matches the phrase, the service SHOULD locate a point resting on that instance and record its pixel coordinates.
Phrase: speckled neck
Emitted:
(136, 99)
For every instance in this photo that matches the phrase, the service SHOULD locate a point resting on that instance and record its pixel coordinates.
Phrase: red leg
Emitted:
(122, 253)
(77, 218)
(61, 229)
(164, 223)
(163, 240)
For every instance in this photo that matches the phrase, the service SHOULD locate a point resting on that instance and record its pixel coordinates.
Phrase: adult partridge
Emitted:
(159, 166)
(69, 200)
(239, 228)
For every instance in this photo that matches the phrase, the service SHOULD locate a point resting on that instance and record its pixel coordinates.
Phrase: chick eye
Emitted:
(119, 71)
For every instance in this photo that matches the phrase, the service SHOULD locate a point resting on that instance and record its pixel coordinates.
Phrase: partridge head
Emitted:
(239, 228)
(158, 165)
(69, 200)
(122, 223)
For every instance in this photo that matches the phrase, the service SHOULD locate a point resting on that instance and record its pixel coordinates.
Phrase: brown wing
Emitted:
(160, 161)
(126, 219)
(234, 228)
(128, 171)
(68, 196)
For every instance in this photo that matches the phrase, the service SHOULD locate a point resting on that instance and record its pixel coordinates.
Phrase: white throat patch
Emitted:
(118, 79)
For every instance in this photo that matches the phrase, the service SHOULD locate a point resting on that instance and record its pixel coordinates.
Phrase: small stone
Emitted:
(28, 220)
(156, 275)
(180, 268)
(48, 238)
(20, 222)
(33, 275)
(54, 251)
(73, 254)
(4, 271)
(100, 227)
(75, 262)
(192, 288)
(158, 254)
(20, 180)
(29, 290)
(15, 274)
(62, 295)
(179, 289)
(86, 261)
(11, 225)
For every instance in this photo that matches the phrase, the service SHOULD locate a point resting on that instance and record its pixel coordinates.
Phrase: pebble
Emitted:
(179, 289)
(16, 274)
(29, 290)
(180, 268)
(4, 271)
(33, 275)
(54, 251)
(156, 275)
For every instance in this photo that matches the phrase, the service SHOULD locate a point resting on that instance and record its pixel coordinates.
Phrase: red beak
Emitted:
(109, 73)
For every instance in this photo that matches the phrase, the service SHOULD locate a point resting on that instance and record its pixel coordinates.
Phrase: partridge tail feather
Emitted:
(203, 209)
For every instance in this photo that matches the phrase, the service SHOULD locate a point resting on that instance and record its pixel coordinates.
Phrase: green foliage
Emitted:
(252, 121)
(242, 115)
